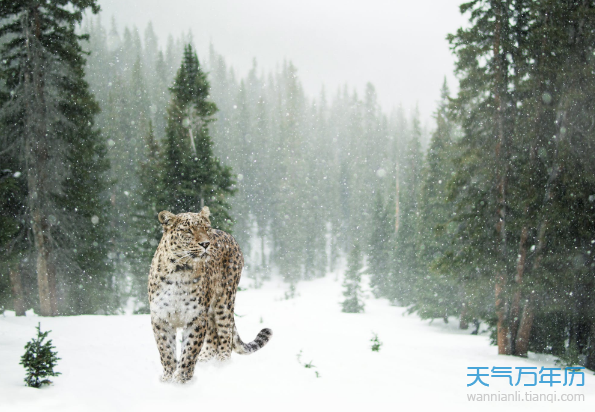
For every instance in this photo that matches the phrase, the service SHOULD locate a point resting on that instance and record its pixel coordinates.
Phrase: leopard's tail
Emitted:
(247, 348)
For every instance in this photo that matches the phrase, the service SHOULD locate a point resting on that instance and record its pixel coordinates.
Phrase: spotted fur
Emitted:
(192, 285)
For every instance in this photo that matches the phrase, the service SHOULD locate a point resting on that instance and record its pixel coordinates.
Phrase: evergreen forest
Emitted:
(487, 218)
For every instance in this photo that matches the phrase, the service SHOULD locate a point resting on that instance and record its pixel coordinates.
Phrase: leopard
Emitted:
(193, 281)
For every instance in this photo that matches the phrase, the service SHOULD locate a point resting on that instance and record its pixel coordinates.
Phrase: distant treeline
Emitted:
(305, 169)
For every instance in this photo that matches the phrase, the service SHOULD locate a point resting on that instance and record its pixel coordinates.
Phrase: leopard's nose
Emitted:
(205, 245)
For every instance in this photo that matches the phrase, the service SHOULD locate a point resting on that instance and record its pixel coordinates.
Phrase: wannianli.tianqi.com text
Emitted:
(519, 396)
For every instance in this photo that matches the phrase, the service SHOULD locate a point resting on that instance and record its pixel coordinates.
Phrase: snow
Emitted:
(111, 362)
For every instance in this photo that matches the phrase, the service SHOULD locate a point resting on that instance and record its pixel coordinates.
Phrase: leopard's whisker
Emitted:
(187, 254)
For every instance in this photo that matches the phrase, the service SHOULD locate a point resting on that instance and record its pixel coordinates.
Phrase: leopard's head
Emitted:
(187, 236)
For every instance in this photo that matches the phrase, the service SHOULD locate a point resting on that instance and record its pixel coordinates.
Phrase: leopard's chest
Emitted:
(179, 298)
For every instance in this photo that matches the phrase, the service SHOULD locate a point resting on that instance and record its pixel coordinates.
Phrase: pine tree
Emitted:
(381, 248)
(192, 176)
(438, 294)
(39, 360)
(376, 343)
(352, 283)
(406, 250)
(48, 124)
(482, 185)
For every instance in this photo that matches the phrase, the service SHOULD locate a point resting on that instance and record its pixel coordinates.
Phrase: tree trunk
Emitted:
(502, 305)
(521, 344)
(591, 351)
(503, 332)
(515, 310)
(43, 275)
(37, 160)
(52, 285)
(18, 298)
(463, 321)
(524, 332)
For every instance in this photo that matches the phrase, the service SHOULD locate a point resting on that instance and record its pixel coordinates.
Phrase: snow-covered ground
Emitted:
(112, 364)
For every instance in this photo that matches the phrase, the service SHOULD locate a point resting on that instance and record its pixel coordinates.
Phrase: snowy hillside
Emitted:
(112, 364)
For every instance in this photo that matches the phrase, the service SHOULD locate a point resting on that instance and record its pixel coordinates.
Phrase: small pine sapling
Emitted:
(376, 344)
(291, 293)
(39, 360)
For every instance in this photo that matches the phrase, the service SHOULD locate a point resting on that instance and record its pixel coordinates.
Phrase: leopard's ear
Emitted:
(205, 212)
(166, 218)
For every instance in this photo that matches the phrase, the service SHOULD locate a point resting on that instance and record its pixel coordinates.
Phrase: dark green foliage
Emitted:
(13, 242)
(376, 344)
(39, 360)
(352, 283)
(475, 251)
(309, 365)
(438, 293)
(12, 196)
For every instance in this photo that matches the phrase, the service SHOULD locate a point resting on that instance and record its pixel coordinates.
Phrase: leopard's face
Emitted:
(188, 235)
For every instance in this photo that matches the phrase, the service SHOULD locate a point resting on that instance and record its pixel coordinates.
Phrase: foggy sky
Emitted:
(398, 45)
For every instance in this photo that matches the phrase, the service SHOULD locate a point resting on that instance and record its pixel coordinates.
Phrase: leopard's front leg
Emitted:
(165, 336)
(224, 322)
(193, 337)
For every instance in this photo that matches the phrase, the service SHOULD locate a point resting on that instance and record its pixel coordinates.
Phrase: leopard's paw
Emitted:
(223, 357)
(166, 377)
(181, 377)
